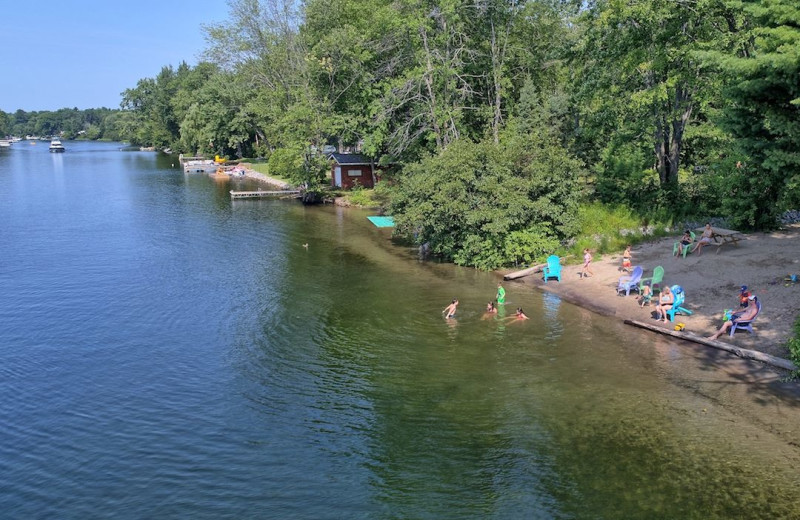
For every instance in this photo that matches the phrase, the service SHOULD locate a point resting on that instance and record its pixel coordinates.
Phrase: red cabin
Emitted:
(347, 169)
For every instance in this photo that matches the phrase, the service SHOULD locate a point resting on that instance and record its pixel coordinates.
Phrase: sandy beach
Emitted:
(712, 281)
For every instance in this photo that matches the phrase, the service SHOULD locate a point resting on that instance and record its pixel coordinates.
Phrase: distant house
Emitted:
(347, 169)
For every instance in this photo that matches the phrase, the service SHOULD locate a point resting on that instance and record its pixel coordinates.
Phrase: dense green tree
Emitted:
(762, 111)
(639, 80)
(490, 204)
(5, 124)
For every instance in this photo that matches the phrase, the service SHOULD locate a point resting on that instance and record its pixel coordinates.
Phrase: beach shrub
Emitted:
(490, 204)
(360, 196)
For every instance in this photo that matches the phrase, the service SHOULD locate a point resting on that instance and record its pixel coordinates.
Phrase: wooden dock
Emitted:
(260, 194)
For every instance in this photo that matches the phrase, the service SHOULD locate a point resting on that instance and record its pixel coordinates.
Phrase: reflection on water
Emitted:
(167, 352)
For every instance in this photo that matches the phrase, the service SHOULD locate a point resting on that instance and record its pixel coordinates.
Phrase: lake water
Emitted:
(168, 353)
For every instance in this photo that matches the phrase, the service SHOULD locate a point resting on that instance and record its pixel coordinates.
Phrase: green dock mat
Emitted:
(382, 221)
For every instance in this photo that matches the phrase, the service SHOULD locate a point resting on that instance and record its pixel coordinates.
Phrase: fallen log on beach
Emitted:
(741, 352)
(530, 270)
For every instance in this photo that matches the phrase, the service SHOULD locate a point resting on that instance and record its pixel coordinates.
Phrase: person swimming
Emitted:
(520, 315)
(450, 310)
(490, 308)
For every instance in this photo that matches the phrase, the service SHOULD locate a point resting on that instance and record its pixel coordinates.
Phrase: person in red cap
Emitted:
(744, 315)
(744, 296)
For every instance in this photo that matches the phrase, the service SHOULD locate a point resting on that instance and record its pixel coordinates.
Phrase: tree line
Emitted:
(499, 119)
(68, 123)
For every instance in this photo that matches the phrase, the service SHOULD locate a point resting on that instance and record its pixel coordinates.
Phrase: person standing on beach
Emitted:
(627, 260)
(450, 310)
(587, 260)
(501, 294)
(744, 297)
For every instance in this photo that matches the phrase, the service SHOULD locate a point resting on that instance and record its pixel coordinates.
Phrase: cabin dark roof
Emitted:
(350, 158)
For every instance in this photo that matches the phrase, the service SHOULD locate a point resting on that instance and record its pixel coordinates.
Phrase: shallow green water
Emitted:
(170, 353)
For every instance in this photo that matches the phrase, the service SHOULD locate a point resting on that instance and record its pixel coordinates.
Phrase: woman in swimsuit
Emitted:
(665, 302)
(705, 238)
(686, 239)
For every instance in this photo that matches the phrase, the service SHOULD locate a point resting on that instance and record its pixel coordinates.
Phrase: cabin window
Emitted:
(354, 173)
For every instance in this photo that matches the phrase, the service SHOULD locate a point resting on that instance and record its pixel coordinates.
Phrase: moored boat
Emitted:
(56, 146)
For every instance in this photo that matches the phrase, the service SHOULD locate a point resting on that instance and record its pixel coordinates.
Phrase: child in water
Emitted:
(450, 310)
(501, 294)
(491, 310)
(520, 315)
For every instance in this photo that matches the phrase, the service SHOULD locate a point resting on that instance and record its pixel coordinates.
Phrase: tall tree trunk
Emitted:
(431, 92)
(670, 126)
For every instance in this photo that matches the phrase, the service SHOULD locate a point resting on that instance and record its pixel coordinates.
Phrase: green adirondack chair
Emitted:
(685, 249)
(655, 280)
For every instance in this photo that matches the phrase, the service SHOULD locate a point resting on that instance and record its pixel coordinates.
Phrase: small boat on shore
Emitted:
(56, 146)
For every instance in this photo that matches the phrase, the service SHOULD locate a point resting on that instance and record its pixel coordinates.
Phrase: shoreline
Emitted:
(711, 280)
(250, 173)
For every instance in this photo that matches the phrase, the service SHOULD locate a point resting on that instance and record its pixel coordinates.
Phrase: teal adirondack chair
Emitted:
(553, 268)
(685, 249)
(655, 281)
(677, 306)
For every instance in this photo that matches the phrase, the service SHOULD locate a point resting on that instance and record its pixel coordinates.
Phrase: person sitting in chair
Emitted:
(685, 241)
(746, 314)
(665, 301)
(705, 238)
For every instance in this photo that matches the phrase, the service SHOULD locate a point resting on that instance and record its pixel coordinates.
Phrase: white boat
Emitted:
(56, 146)
(5, 143)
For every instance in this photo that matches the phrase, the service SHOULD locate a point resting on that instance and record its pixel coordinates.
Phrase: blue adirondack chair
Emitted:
(626, 283)
(677, 306)
(552, 269)
(745, 325)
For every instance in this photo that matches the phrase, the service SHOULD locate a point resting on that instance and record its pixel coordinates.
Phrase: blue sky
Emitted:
(85, 53)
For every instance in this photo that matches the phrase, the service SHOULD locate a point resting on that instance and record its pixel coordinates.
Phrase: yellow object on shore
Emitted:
(219, 160)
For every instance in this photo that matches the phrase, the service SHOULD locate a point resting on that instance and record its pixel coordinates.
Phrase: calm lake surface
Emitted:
(168, 353)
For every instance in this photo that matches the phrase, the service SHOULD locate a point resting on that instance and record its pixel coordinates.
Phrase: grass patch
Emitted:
(263, 167)
(609, 228)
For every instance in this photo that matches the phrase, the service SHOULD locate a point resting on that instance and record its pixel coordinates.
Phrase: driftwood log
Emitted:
(530, 270)
(741, 352)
